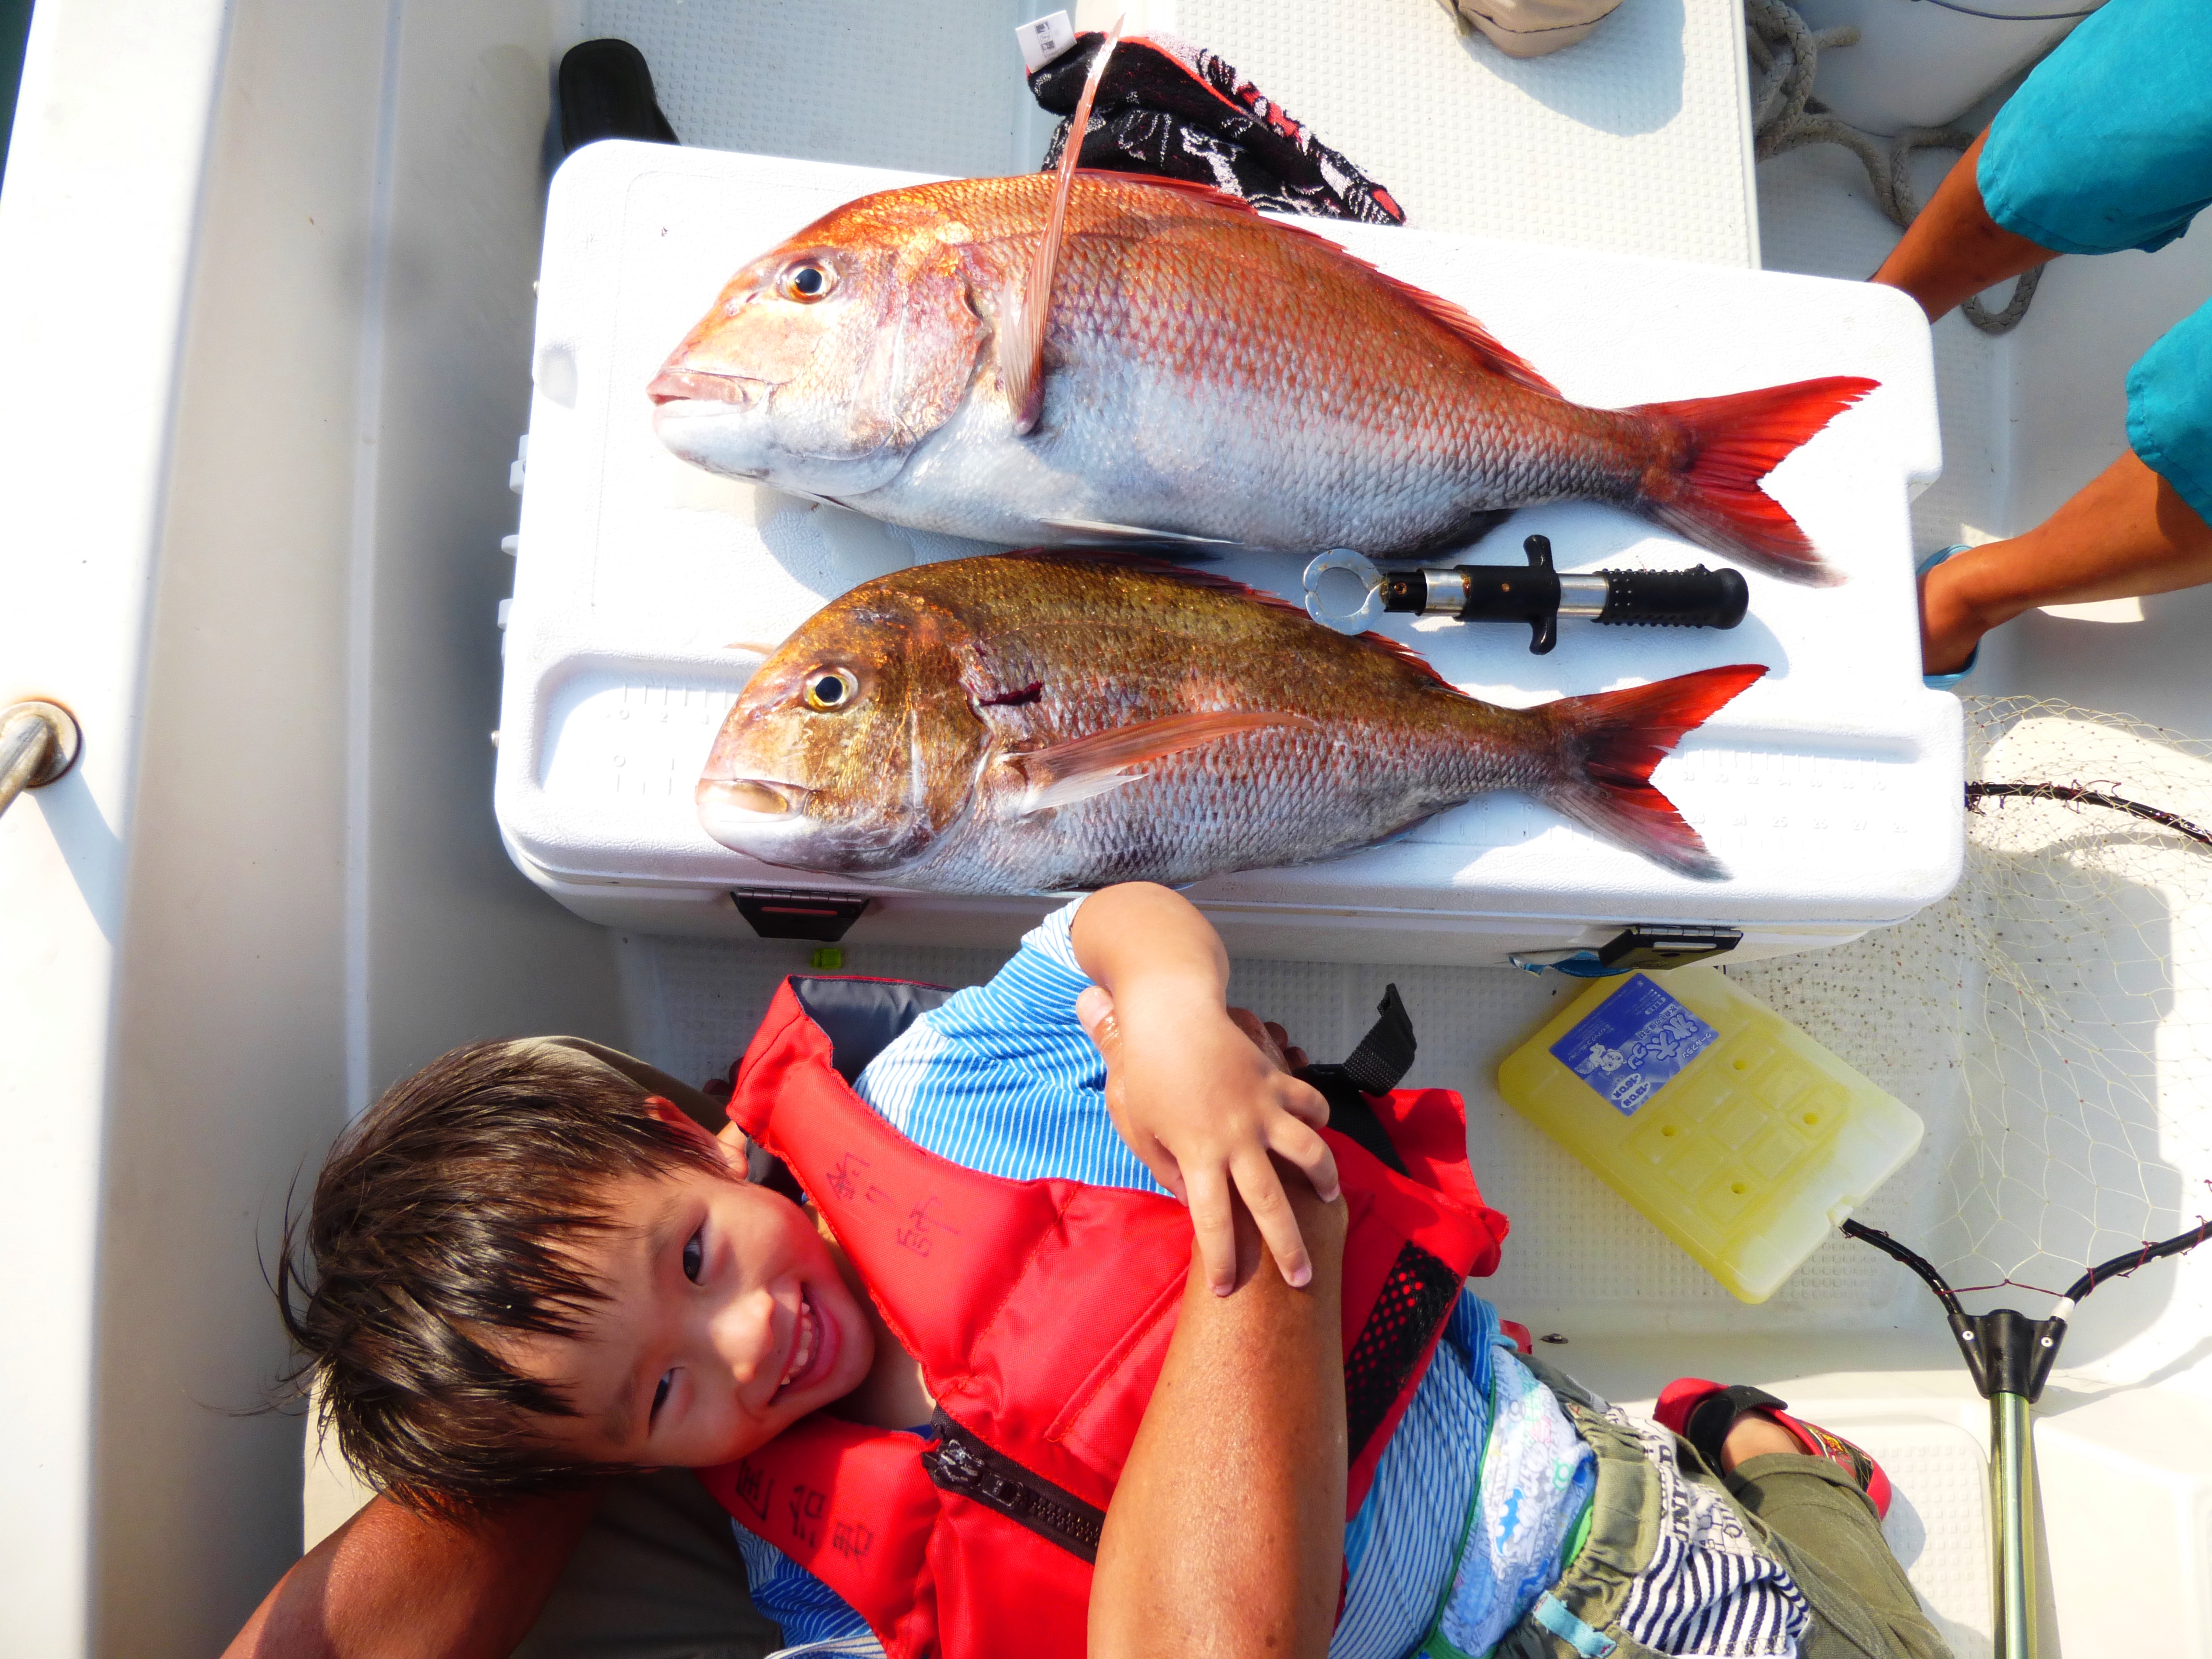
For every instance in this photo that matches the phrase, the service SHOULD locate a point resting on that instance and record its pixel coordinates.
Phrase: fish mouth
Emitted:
(759, 800)
(692, 385)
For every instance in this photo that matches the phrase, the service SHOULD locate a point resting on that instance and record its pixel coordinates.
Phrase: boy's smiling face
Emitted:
(725, 1322)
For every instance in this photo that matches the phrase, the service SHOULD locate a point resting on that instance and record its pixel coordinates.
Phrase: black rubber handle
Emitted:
(605, 90)
(1698, 598)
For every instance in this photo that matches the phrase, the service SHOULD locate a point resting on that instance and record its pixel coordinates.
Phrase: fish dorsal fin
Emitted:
(1452, 319)
(1076, 771)
(1509, 364)
(1205, 193)
(1121, 559)
(1021, 344)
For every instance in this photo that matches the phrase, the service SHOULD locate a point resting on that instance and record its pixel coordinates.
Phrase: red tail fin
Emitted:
(1609, 743)
(1734, 443)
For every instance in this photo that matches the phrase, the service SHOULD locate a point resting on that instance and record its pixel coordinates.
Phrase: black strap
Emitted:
(1384, 1056)
(1709, 1424)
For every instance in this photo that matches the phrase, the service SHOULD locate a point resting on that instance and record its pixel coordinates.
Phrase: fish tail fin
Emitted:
(1609, 742)
(1713, 496)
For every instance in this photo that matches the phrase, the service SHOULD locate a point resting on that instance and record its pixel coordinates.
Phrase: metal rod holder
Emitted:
(38, 741)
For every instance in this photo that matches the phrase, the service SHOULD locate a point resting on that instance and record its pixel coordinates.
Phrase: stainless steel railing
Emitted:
(38, 741)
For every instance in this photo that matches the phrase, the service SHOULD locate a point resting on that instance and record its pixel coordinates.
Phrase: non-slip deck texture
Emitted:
(867, 81)
(1634, 140)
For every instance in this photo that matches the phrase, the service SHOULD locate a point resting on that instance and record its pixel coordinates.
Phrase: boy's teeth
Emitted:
(802, 1350)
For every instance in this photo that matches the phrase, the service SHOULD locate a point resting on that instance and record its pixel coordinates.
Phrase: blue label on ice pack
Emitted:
(1633, 1043)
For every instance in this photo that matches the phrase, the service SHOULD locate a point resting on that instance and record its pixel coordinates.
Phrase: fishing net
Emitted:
(2085, 914)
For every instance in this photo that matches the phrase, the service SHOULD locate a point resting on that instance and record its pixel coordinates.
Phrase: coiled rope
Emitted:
(1785, 116)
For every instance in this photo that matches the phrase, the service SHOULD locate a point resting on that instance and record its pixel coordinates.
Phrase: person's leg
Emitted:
(1833, 1545)
(1954, 250)
(2129, 531)
(2106, 145)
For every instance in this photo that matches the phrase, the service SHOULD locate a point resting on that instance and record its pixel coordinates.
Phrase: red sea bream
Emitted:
(1209, 374)
(1046, 721)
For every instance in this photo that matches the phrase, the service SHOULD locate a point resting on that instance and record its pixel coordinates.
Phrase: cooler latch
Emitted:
(822, 917)
(1646, 948)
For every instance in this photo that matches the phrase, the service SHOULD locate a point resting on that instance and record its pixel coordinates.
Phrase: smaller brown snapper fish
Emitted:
(1043, 722)
(1165, 365)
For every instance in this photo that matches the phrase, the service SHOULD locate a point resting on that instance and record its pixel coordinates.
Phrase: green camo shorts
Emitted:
(1627, 1592)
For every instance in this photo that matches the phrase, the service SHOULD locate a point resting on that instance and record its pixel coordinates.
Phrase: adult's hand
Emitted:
(394, 1584)
(1225, 1536)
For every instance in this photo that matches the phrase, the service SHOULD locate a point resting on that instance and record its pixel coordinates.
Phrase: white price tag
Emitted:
(1044, 40)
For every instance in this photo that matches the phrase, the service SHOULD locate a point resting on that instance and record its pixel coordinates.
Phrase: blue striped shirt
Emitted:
(1001, 1078)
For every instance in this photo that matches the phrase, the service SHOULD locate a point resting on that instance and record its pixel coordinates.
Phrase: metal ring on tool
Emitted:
(1353, 564)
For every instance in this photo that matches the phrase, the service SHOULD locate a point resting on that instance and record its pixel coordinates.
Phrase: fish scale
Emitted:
(1207, 373)
(1044, 721)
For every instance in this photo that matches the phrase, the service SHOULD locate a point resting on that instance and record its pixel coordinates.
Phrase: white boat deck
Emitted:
(264, 319)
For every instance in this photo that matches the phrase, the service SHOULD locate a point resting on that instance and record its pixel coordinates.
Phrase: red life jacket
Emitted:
(1041, 1313)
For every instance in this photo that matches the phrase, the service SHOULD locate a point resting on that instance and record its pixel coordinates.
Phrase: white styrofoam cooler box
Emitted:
(645, 589)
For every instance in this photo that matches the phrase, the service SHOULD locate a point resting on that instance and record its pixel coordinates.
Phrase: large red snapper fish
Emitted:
(1209, 375)
(1046, 721)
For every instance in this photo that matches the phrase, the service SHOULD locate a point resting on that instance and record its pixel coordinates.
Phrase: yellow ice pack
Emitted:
(1740, 1138)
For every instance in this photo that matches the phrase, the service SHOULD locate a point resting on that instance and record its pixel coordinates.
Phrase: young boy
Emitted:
(528, 1272)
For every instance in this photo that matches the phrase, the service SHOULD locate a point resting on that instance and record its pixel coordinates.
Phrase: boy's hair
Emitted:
(441, 1216)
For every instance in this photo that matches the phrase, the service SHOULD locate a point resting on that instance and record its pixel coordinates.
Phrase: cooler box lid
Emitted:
(645, 588)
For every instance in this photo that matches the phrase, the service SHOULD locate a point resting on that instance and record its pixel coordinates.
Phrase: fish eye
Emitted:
(806, 281)
(829, 690)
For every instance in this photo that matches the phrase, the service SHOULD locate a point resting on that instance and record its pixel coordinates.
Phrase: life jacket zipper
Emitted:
(959, 1462)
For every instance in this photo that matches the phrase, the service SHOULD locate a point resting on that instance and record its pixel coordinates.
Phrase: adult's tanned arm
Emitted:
(393, 1585)
(1225, 1537)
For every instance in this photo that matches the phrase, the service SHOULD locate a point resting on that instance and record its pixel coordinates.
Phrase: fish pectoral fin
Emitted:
(1133, 534)
(1083, 766)
(1050, 798)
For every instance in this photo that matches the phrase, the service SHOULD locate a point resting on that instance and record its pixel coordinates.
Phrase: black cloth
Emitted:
(1178, 111)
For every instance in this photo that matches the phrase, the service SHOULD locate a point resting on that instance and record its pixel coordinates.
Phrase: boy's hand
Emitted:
(1203, 1094)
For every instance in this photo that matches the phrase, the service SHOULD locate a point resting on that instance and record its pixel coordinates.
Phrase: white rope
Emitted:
(1785, 54)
